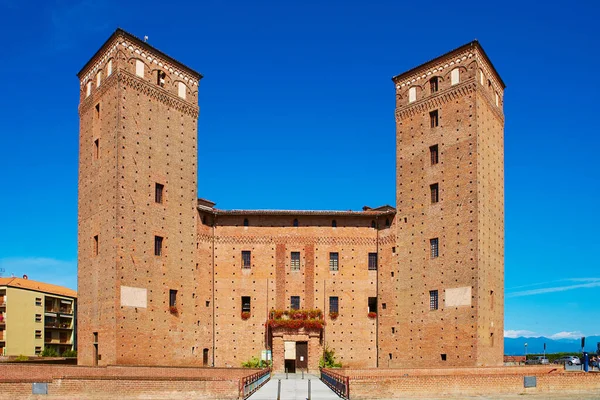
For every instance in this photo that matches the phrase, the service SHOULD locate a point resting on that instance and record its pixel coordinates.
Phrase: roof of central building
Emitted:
(22, 283)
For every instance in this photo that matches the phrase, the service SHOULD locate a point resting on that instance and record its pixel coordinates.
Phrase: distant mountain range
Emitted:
(535, 345)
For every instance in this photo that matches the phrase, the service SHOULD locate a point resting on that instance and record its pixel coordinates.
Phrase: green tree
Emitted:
(328, 359)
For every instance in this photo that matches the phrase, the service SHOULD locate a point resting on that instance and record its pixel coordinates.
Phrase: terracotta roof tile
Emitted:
(38, 286)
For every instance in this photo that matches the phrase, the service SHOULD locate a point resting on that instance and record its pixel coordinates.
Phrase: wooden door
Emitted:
(302, 355)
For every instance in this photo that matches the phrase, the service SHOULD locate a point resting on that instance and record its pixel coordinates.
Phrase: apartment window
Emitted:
(97, 149)
(433, 118)
(295, 263)
(412, 94)
(434, 245)
(160, 78)
(333, 304)
(435, 194)
(158, 193)
(158, 245)
(334, 224)
(433, 153)
(38, 350)
(245, 303)
(246, 222)
(334, 261)
(246, 255)
(433, 300)
(433, 84)
(295, 302)
(38, 317)
(38, 334)
(455, 76)
(372, 261)
(373, 304)
(38, 301)
(172, 298)
(96, 247)
(295, 223)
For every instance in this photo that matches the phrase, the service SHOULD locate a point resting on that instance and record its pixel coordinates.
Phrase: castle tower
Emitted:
(450, 211)
(137, 207)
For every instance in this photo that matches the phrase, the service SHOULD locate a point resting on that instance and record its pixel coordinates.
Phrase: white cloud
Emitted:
(567, 335)
(519, 333)
(590, 283)
(43, 269)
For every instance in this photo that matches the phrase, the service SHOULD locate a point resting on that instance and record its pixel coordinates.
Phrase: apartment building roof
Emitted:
(22, 283)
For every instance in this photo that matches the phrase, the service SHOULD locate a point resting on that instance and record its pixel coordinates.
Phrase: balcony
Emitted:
(53, 340)
(57, 325)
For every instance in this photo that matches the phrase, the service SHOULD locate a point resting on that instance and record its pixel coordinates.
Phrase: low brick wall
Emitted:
(73, 382)
(401, 383)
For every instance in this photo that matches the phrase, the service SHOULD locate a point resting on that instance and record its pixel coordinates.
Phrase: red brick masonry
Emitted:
(403, 383)
(74, 382)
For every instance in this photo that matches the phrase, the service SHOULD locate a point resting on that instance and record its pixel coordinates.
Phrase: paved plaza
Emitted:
(294, 388)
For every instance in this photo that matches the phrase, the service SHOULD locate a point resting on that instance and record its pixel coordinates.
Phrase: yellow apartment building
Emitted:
(34, 315)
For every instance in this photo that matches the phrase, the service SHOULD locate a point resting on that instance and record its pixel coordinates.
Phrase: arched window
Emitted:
(334, 224)
(433, 84)
(455, 76)
(296, 222)
(246, 223)
(412, 94)
(373, 224)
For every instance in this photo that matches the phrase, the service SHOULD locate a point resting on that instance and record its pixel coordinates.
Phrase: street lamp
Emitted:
(525, 353)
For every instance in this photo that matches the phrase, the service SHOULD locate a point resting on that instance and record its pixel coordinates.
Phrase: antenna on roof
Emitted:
(145, 38)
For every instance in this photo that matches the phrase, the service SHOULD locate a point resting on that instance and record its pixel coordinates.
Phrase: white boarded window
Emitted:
(98, 78)
(139, 68)
(109, 68)
(88, 89)
(497, 100)
(412, 94)
(455, 76)
(481, 76)
(181, 89)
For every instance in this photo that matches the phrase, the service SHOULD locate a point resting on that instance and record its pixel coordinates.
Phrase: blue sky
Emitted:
(297, 113)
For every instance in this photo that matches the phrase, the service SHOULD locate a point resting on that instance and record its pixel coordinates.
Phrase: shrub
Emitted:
(69, 353)
(21, 357)
(49, 352)
(254, 362)
(328, 359)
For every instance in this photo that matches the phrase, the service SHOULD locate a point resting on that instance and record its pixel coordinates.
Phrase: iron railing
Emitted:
(250, 384)
(338, 383)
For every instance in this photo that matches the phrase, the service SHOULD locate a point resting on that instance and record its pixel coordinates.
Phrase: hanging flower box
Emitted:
(245, 315)
(173, 310)
(296, 319)
(333, 315)
(372, 315)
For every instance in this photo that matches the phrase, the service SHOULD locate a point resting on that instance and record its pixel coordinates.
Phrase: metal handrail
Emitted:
(250, 384)
(338, 383)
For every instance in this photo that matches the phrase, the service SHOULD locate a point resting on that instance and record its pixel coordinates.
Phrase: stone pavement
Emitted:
(295, 388)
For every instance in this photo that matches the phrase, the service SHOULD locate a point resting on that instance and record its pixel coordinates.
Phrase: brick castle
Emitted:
(166, 278)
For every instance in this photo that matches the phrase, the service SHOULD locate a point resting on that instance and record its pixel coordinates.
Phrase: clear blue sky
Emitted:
(297, 112)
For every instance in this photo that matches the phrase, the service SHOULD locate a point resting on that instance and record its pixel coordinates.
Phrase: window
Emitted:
(97, 149)
(334, 224)
(172, 298)
(481, 77)
(98, 78)
(246, 222)
(412, 94)
(373, 224)
(295, 263)
(38, 350)
(38, 301)
(455, 76)
(158, 193)
(443, 356)
(334, 261)
(497, 100)
(295, 302)
(433, 300)
(295, 223)
(333, 304)
(373, 304)
(245, 303)
(95, 334)
(98, 111)
(434, 245)
(387, 222)
(96, 245)
(158, 244)
(109, 68)
(38, 317)
(181, 89)
(434, 155)
(246, 256)
(393, 330)
(139, 68)
(433, 118)
(160, 78)
(435, 195)
(383, 306)
(38, 334)
(372, 261)
(88, 89)
(433, 84)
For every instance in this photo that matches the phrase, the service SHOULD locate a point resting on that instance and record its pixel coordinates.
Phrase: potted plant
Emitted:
(333, 315)
(372, 315)
(173, 310)
(245, 315)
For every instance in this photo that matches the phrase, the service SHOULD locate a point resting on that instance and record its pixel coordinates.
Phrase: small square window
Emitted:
(158, 245)
(38, 301)
(295, 261)
(433, 300)
(246, 304)
(38, 350)
(158, 193)
(38, 317)
(435, 195)
(172, 298)
(434, 118)
(443, 356)
(433, 152)
(333, 261)
(295, 302)
(434, 246)
(333, 304)
(246, 258)
(372, 261)
(38, 334)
